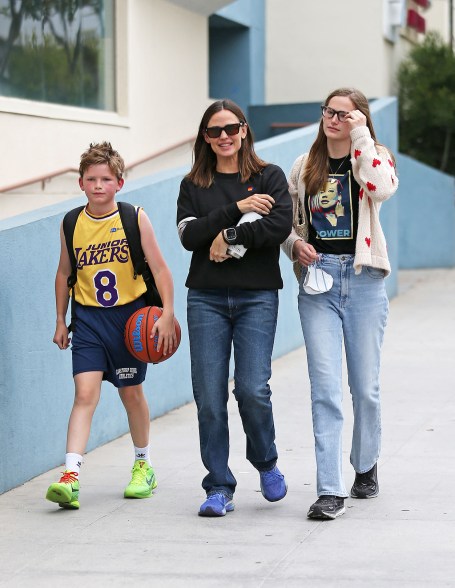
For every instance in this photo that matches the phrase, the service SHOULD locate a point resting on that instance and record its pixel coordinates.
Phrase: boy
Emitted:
(105, 295)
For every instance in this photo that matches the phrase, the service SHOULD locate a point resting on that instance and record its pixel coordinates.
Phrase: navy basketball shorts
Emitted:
(98, 344)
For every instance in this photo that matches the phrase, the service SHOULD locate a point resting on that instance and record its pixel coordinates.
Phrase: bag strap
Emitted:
(69, 224)
(130, 222)
(129, 216)
(298, 212)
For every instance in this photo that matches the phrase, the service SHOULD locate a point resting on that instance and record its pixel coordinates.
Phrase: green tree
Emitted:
(48, 54)
(427, 104)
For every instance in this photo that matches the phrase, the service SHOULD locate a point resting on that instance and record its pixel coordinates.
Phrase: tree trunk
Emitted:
(13, 34)
(446, 150)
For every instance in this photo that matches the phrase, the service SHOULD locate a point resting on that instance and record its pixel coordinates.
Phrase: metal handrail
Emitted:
(43, 179)
(156, 154)
(46, 177)
(289, 125)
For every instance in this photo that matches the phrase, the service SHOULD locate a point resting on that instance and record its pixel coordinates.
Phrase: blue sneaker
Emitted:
(273, 485)
(216, 505)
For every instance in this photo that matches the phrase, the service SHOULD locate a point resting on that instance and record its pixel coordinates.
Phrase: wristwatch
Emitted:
(230, 235)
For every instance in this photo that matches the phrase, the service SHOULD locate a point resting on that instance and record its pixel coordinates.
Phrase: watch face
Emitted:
(231, 234)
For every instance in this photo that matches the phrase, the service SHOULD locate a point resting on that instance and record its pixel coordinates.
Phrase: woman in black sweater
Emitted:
(233, 300)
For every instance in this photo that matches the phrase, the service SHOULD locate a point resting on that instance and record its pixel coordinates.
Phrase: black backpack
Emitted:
(129, 218)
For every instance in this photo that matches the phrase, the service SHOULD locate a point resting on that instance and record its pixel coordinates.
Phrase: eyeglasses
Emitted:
(230, 130)
(328, 112)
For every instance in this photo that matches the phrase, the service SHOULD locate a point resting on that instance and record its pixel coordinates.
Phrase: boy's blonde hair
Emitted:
(99, 153)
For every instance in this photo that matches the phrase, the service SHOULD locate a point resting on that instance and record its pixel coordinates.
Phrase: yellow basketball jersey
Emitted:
(105, 273)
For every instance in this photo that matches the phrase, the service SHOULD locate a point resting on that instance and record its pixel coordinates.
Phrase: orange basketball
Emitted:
(137, 335)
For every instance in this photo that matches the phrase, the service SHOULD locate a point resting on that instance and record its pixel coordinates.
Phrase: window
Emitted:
(59, 51)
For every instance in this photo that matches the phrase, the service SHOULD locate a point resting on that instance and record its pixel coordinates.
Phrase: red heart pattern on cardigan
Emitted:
(357, 153)
(361, 193)
(371, 187)
(376, 162)
(368, 241)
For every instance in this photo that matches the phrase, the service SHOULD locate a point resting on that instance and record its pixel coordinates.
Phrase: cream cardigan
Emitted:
(374, 171)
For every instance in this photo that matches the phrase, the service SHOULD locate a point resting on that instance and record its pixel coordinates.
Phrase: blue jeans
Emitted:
(354, 311)
(246, 319)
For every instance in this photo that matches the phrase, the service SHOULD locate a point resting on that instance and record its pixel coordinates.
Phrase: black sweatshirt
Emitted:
(210, 210)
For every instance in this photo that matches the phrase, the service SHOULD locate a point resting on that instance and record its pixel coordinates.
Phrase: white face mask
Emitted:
(317, 281)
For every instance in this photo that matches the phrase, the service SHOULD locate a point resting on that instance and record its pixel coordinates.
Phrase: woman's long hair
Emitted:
(317, 167)
(204, 159)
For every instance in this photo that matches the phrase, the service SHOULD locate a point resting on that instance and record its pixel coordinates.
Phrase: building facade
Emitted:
(134, 72)
(140, 72)
(329, 45)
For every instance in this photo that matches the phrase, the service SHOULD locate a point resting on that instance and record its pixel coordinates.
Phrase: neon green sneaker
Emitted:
(143, 480)
(66, 491)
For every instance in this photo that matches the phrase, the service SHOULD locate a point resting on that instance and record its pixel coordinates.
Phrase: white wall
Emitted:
(315, 47)
(162, 80)
(337, 44)
(168, 91)
(437, 18)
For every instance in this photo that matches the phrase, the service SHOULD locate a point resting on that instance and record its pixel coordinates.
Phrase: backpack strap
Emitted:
(130, 221)
(69, 224)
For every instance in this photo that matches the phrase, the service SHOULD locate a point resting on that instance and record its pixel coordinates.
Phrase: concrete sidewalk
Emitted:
(405, 537)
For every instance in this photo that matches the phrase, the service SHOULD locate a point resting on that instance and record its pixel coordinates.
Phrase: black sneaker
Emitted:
(366, 485)
(327, 508)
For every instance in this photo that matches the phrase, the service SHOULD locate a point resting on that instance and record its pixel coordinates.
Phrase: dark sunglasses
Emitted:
(230, 130)
(328, 112)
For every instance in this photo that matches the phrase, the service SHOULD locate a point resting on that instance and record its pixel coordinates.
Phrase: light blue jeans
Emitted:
(217, 320)
(354, 311)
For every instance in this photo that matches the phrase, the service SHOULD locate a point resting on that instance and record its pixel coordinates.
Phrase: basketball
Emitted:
(137, 335)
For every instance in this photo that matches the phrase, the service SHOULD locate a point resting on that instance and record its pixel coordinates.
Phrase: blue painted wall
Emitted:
(36, 388)
(426, 216)
(229, 67)
(262, 116)
(237, 53)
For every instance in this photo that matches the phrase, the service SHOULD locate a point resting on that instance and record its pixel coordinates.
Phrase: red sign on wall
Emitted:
(415, 21)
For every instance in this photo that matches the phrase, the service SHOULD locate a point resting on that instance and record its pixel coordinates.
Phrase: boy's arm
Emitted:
(61, 294)
(163, 278)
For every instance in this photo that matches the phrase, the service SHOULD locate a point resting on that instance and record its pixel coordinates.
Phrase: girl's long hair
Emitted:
(204, 159)
(317, 166)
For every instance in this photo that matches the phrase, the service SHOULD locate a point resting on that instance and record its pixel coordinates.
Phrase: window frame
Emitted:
(52, 110)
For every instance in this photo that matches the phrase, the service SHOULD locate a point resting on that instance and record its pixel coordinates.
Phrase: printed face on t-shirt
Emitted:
(329, 196)
(331, 209)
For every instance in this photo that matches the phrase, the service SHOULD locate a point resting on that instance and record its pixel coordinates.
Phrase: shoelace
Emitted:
(139, 474)
(219, 497)
(326, 500)
(68, 477)
(272, 474)
(364, 483)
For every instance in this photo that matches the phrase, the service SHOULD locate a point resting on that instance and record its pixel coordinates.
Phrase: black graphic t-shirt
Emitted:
(333, 213)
